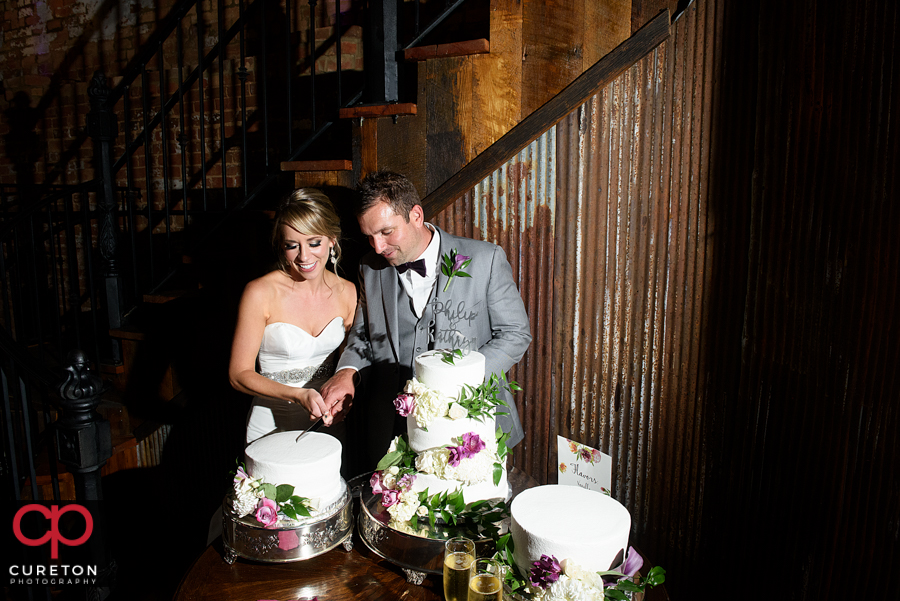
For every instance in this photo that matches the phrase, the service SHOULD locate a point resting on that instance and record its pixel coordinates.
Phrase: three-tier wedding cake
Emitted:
(452, 444)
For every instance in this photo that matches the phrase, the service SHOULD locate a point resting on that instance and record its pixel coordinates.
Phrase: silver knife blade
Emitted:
(315, 423)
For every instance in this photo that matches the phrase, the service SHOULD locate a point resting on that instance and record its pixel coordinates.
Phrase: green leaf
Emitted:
(503, 541)
(283, 492)
(300, 505)
(611, 593)
(655, 576)
(388, 460)
(498, 472)
(268, 490)
(289, 511)
(629, 587)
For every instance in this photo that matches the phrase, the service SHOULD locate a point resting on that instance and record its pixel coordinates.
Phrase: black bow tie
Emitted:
(418, 266)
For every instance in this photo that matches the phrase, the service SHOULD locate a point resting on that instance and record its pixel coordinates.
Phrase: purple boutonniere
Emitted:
(453, 264)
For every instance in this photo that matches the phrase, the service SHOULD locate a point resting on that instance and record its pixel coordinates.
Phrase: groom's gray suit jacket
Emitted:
(492, 313)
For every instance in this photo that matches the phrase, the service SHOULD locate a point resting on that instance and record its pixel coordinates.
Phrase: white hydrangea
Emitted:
(575, 571)
(433, 461)
(246, 495)
(572, 589)
(430, 404)
(404, 510)
(244, 504)
(472, 470)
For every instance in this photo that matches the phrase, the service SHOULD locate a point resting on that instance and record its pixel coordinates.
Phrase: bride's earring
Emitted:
(333, 256)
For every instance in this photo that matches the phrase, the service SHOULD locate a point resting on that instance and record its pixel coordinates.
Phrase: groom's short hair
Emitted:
(386, 186)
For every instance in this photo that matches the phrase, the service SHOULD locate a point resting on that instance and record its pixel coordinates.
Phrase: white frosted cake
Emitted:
(454, 450)
(311, 465)
(571, 524)
(448, 379)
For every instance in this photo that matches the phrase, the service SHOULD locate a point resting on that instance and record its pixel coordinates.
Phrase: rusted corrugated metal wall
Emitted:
(514, 207)
(712, 283)
(634, 232)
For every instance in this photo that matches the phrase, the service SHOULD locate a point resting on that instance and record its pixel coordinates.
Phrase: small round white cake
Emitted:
(312, 465)
(435, 373)
(569, 522)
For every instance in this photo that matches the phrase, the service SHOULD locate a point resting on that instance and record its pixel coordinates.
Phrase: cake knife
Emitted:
(315, 423)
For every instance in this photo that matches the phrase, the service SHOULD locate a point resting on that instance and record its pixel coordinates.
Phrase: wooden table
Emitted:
(335, 576)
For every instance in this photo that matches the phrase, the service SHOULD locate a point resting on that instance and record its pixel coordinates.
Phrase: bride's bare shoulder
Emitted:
(264, 287)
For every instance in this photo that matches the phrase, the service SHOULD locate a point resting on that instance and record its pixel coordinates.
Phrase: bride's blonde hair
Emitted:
(310, 212)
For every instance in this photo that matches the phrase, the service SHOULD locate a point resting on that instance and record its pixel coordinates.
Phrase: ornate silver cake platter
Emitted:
(247, 538)
(417, 552)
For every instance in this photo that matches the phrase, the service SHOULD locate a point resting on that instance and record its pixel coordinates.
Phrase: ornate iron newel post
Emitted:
(102, 126)
(85, 443)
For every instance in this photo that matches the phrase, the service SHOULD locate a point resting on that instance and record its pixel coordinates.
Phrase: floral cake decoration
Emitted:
(552, 579)
(269, 503)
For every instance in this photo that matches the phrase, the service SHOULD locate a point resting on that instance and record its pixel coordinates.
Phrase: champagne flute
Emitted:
(486, 583)
(459, 558)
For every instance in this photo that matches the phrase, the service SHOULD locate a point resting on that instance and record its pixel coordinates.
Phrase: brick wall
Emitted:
(50, 50)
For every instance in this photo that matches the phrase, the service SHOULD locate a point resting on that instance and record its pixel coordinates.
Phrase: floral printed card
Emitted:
(580, 465)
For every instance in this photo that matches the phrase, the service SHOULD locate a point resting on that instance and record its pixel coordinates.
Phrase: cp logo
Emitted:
(53, 534)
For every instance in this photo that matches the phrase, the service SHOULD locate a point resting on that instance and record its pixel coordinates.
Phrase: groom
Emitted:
(408, 306)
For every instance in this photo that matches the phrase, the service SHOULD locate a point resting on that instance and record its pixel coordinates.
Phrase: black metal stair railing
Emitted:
(191, 134)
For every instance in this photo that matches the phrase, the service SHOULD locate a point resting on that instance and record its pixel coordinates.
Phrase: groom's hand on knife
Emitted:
(338, 393)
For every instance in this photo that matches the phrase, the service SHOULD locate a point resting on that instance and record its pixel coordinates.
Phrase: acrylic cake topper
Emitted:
(580, 465)
(455, 314)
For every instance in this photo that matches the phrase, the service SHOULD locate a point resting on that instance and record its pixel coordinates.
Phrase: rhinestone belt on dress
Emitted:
(302, 374)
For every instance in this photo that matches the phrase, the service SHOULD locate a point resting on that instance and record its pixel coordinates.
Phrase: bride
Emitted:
(294, 320)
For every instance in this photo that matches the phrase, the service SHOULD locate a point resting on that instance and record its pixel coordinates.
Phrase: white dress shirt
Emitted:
(417, 287)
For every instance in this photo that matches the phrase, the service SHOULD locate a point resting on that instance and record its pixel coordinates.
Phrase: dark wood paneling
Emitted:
(449, 93)
(531, 127)
(553, 47)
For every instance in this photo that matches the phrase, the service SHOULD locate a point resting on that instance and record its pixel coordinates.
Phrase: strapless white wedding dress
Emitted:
(292, 356)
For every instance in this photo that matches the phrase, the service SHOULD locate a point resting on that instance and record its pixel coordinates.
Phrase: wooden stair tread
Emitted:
(467, 48)
(335, 165)
(163, 297)
(373, 111)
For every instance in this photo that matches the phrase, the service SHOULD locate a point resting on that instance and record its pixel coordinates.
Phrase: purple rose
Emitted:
(406, 482)
(390, 497)
(458, 261)
(375, 482)
(456, 455)
(405, 404)
(544, 572)
(472, 443)
(633, 563)
(267, 512)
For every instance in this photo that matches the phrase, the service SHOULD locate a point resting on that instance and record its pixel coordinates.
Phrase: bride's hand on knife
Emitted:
(313, 402)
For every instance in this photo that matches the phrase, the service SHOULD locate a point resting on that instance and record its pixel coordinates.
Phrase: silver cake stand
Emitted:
(417, 553)
(247, 538)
